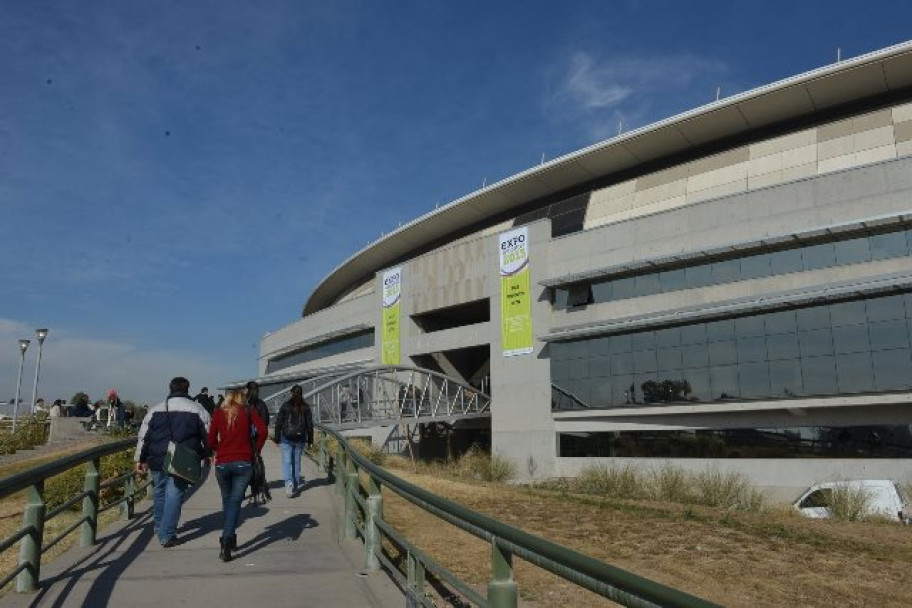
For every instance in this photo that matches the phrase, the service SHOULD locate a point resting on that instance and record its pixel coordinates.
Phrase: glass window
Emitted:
(646, 284)
(623, 392)
(755, 266)
(560, 371)
(892, 369)
(600, 393)
(693, 334)
(720, 330)
(819, 375)
(644, 361)
(753, 379)
(853, 373)
(668, 337)
(889, 334)
(601, 291)
(723, 353)
(643, 341)
(852, 251)
(785, 378)
(851, 339)
(885, 309)
(579, 369)
(620, 344)
(599, 367)
(726, 271)
(750, 326)
(785, 261)
(780, 322)
(698, 276)
(724, 381)
(672, 280)
(848, 313)
(649, 379)
(621, 363)
(622, 289)
(813, 318)
(668, 359)
(560, 298)
(694, 355)
(599, 346)
(698, 379)
(580, 295)
(782, 346)
(578, 350)
(752, 349)
(816, 342)
(890, 245)
(558, 351)
(818, 256)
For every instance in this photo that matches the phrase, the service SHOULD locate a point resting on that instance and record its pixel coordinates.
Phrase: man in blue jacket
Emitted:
(181, 419)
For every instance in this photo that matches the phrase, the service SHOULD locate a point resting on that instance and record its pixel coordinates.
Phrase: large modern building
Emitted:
(732, 285)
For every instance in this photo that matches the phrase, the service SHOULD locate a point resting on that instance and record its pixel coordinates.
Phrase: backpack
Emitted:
(295, 427)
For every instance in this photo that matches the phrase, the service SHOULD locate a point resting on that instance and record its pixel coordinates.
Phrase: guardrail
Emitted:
(32, 544)
(362, 514)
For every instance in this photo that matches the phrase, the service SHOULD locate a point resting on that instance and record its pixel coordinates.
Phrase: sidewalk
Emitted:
(288, 555)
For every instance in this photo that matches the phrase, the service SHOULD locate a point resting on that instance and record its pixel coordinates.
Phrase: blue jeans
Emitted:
(233, 479)
(291, 463)
(169, 495)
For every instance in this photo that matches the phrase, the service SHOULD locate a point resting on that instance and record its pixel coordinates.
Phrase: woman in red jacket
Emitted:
(230, 437)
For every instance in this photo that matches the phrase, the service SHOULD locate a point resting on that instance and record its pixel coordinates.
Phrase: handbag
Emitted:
(181, 460)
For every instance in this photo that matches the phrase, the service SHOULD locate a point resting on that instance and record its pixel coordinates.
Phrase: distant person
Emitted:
(116, 409)
(254, 401)
(221, 400)
(81, 408)
(178, 418)
(293, 431)
(230, 437)
(56, 410)
(205, 400)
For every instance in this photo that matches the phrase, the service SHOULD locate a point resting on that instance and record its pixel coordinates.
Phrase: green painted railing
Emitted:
(30, 537)
(362, 514)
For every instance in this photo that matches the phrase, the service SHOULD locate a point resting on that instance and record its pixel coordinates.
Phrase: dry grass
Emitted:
(735, 558)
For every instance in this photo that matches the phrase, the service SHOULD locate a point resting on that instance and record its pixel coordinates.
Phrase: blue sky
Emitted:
(176, 177)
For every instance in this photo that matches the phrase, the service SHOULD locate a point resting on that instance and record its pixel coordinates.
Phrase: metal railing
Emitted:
(388, 394)
(562, 400)
(32, 544)
(362, 514)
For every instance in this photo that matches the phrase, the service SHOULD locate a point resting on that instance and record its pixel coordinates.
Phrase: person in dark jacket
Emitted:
(254, 401)
(178, 418)
(230, 437)
(206, 400)
(293, 430)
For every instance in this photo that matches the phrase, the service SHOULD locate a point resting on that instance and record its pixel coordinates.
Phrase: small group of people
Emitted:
(235, 432)
(113, 406)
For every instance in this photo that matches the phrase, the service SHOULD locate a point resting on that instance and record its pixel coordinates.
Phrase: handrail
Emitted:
(35, 513)
(618, 585)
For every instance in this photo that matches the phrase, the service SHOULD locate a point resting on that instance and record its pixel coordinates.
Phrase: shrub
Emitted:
(729, 489)
(849, 503)
(619, 481)
(670, 483)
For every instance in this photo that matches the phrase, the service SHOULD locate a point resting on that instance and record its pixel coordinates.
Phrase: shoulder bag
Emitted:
(181, 460)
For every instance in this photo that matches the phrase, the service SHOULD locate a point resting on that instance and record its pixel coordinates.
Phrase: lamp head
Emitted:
(23, 344)
(42, 334)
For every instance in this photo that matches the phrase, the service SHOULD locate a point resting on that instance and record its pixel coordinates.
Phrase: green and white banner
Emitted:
(392, 292)
(515, 293)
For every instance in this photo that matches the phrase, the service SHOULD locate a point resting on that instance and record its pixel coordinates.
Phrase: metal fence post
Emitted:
(30, 546)
(351, 486)
(372, 543)
(150, 487)
(127, 507)
(502, 592)
(339, 468)
(90, 503)
(415, 574)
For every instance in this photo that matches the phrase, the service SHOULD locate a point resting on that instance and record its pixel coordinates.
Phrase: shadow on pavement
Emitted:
(289, 529)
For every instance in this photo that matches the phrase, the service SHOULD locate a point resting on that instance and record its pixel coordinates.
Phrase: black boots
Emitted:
(226, 546)
(225, 549)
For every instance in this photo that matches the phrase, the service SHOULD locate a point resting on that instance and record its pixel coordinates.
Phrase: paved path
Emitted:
(289, 555)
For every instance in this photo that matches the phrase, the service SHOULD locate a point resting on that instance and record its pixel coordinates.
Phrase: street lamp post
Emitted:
(23, 344)
(41, 334)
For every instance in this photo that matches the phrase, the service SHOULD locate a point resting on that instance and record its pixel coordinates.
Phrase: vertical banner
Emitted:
(515, 293)
(392, 291)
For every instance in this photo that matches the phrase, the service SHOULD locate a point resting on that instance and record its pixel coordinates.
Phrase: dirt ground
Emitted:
(773, 558)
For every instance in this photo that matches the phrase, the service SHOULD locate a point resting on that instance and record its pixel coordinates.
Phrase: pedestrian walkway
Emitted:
(288, 555)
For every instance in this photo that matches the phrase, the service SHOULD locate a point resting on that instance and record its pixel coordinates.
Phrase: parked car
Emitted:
(885, 499)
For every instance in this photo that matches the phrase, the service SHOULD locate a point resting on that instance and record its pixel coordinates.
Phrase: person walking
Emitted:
(293, 430)
(254, 401)
(231, 436)
(180, 419)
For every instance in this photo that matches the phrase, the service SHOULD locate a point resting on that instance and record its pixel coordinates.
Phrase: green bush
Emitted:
(620, 481)
(670, 483)
(729, 489)
(849, 503)
(59, 489)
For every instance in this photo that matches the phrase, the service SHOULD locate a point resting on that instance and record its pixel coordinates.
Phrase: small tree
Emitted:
(78, 396)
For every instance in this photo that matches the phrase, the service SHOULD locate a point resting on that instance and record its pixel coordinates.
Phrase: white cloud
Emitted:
(71, 363)
(600, 94)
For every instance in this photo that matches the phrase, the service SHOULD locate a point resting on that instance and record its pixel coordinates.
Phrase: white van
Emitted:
(886, 499)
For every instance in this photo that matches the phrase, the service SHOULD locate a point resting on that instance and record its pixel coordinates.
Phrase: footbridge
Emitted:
(387, 395)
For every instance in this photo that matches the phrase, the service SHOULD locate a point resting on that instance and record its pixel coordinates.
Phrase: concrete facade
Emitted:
(701, 186)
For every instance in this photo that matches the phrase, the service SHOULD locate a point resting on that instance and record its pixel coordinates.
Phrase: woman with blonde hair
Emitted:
(231, 437)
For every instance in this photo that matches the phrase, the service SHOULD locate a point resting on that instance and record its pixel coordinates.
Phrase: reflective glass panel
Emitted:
(892, 369)
(889, 334)
(854, 373)
(852, 251)
(819, 375)
(818, 256)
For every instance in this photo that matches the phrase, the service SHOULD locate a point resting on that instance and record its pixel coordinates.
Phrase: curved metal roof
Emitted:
(814, 92)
